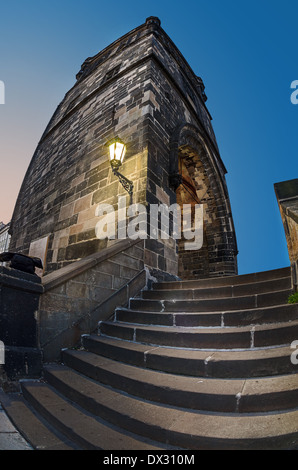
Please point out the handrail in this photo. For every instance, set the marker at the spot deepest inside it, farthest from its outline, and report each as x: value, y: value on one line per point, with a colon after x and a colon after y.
x: 55, y: 278
x: 87, y: 323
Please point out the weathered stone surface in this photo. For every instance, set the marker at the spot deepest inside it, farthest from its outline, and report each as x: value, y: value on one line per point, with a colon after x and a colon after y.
x: 83, y: 291
x: 19, y: 299
x: 287, y: 197
x: 141, y: 89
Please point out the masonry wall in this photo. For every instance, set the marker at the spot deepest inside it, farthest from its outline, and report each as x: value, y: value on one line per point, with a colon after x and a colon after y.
x: 19, y: 299
x: 177, y: 100
x: 80, y: 295
x: 141, y: 89
x: 70, y: 175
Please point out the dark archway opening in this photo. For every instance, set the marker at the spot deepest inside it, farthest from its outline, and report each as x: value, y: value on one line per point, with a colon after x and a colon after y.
x: 194, y: 189
x: 197, y: 175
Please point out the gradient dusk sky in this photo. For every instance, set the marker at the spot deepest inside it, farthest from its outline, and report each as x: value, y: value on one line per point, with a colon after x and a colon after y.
x: 246, y: 53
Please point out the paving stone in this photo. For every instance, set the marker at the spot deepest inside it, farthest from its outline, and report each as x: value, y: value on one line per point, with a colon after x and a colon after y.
x: 13, y: 441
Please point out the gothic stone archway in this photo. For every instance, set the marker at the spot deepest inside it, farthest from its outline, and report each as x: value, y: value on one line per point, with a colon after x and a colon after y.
x: 200, y: 179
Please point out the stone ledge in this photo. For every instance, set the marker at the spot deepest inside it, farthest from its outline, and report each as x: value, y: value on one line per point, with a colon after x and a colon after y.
x: 20, y: 283
x: 19, y: 275
x: 52, y: 280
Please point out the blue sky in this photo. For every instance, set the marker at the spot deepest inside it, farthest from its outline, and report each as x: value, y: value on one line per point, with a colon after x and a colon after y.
x: 246, y: 53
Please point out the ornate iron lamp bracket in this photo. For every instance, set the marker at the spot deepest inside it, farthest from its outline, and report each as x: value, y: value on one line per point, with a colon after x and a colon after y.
x: 126, y: 183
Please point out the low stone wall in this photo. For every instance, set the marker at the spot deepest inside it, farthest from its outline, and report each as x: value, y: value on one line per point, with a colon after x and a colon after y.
x: 19, y: 299
x: 79, y: 295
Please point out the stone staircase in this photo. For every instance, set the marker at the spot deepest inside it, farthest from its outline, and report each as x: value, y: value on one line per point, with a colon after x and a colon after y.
x: 189, y: 365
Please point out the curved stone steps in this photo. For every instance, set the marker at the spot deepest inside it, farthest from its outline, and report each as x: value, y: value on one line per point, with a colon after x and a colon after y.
x: 88, y: 431
x: 201, y: 292
x: 245, y: 337
x: 177, y: 427
x: 255, y: 316
x: 251, y: 278
x: 188, y: 365
x: 34, y: 429
x: 209, y: 394
x: 155, y: 301
x: 198, y: 363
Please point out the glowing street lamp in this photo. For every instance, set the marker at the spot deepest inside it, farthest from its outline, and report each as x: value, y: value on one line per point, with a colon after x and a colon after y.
x: 117, y: 150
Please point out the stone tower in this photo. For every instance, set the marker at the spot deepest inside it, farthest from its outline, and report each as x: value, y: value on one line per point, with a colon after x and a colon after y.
x: 141, y: 89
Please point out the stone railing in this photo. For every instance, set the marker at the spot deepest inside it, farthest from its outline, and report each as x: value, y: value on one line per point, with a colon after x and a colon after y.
x: 87, y: 291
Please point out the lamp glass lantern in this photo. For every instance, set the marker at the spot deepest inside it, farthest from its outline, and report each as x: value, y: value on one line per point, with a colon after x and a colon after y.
x: 117, y: 150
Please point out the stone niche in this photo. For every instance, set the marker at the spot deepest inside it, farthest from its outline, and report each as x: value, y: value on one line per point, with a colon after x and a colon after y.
x: 141, y: 89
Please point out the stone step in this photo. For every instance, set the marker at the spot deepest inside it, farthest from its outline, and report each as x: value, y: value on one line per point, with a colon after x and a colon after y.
x: 209, y: 305
x: 225, y: 281
x: 255, y: 316
x: 88, y: 431
x: 259, y: 336
x: 239, y: 290
x: 40, y: 434
x: 209, y: 394
x: 173, y: 426
x: 195, y: 362
x: 188, y: 365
